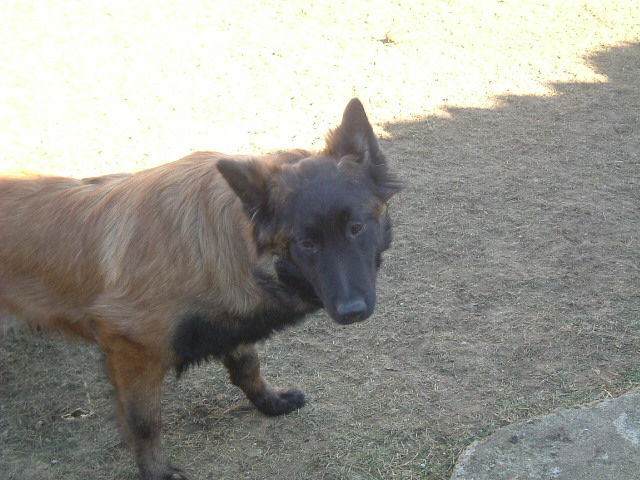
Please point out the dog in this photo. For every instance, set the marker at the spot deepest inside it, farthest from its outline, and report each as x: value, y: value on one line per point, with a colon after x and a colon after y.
x: 198, y: 259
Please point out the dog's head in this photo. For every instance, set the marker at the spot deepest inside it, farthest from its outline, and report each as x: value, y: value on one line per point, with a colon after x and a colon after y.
x: 326, y: 213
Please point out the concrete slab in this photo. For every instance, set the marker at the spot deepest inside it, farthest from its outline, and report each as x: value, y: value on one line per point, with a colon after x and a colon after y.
x: 599, y: 441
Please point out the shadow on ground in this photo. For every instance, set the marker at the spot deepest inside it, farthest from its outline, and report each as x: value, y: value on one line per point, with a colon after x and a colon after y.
x: 512, y: 289
x: 514, y: 274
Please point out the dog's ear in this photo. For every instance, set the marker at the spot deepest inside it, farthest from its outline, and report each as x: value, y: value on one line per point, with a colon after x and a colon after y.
x: 354, y: 140
x: 248, y: 179
x: 354, y: 136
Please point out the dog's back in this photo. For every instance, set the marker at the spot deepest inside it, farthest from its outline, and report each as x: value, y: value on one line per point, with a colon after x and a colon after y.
x: 71, y: 249
x: 38, y: 215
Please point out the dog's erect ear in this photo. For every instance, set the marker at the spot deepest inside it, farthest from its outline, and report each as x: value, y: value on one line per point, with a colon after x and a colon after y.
x: 355, y: 135
x: 354, y: 140
x: 248, y: 179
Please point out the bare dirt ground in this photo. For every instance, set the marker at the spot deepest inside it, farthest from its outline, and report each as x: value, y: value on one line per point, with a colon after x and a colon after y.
x: 513, y: 284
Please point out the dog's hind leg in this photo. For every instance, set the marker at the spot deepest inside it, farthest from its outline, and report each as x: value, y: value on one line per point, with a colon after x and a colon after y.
x: 243, y: 365
x: 136, y: 374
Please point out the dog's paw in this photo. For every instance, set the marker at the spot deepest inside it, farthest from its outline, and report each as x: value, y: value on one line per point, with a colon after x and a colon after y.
x: 279, y: 402
x: 175, y: 474
x: 162, y: 472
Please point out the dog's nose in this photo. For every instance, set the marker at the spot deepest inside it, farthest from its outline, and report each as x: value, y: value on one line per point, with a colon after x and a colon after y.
x: 352, y: 311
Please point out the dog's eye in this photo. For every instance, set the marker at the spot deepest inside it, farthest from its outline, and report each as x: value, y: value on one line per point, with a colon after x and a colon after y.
x: 356, y: 229
x: 308, y: 245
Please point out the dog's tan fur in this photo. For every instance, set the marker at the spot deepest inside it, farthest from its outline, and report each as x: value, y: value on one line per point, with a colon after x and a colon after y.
x: 126, y: 254
x: 118, y: 259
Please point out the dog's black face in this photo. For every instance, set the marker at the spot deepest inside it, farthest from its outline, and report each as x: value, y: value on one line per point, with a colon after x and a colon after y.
x: 338, y: 235
x: 325, y: 215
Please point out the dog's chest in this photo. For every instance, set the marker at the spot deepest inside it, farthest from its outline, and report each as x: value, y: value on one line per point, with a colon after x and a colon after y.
x: 199, y: 337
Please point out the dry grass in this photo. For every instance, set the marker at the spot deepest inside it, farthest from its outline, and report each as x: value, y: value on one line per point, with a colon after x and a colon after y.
x: 513, y: 284
x: 94, y: 89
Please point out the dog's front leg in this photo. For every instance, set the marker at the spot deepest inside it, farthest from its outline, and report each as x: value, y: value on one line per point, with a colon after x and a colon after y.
x: 136, y: 374
x: 243, y: 365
